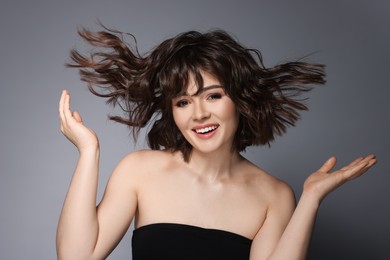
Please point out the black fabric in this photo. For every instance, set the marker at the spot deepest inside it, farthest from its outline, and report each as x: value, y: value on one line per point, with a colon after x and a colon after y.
x: 185, y: 242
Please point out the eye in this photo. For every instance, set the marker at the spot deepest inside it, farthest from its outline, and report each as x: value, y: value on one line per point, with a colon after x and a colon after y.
x: 214, y: 96
x: 182, y: 103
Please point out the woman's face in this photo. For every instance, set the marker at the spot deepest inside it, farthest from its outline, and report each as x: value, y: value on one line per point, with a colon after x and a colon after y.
x: 208, y: 119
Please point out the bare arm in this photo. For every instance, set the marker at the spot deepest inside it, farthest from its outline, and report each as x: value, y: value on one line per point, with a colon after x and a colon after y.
x: 294, y: 241
x: 85, y: 231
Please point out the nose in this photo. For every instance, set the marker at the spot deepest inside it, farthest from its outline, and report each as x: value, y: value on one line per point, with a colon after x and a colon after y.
x: 200, y: 111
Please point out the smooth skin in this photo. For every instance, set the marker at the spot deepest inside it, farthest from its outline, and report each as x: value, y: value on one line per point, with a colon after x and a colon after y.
x: 216, y: 189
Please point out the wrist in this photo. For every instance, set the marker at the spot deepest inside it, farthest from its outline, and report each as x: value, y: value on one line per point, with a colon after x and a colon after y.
x: 90, y: 151
x: 310, y: 199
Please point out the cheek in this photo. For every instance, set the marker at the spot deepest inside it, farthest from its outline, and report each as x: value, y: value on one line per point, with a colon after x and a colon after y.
x: 175, y: 117
x: 178, y: 118
x: 230, y: 111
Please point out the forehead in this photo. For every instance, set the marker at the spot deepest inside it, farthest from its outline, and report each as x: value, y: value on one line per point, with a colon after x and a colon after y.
x: 195, y: 87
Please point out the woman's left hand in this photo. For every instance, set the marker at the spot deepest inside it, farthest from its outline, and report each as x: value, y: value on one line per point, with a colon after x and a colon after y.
x: 322, y: 182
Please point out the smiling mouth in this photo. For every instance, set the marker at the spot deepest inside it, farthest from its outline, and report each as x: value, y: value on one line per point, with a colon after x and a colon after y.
x: 206, y: 130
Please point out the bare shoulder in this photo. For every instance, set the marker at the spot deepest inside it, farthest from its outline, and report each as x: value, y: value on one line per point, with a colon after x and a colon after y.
x: 143, y: 161
x: 143, y: 156
x: 135, y: 168
x: 268, y: 186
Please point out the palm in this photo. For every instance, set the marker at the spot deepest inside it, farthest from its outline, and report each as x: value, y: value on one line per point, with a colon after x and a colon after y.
x: 322, y: 182
x: 72, y: 126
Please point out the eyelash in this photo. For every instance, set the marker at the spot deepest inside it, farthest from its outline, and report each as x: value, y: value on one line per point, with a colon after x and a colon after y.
x: 213, y: 96
x: 181, y: 103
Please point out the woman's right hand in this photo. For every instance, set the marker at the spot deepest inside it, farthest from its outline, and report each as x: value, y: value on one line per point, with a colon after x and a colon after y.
x: 73, y: 128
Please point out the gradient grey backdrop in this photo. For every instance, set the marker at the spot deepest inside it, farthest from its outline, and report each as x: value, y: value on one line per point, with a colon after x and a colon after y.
x: 348, y: 117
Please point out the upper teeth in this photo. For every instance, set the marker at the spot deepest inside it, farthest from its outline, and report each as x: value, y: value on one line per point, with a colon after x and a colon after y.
x: 205, y: 130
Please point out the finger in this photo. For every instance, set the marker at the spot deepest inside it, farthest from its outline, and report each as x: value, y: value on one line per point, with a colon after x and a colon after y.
x: 371, y: 156
x: 61, y: 105
x: 356, y: 171
x: 360, y: 168
x: 328, y: 165
x: 77, y: 117
x: 358, y: 160
x: 61, y: 110
x: 371, y: 160
x: 354, y: 162
x: 67, y: 112
x: 368, y: 160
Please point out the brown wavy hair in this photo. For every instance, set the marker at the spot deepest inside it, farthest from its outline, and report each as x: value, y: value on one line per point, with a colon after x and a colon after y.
x: 144, y: 85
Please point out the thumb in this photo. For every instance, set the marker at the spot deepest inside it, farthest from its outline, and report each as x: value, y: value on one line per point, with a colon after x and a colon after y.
x: 328, y: 165
x: 77, y: 116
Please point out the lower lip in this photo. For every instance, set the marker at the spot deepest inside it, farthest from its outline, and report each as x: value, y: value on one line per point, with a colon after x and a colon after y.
x: 208, y: 135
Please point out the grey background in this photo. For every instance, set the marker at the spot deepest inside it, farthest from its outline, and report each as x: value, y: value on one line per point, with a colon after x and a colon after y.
x: 349, y: 116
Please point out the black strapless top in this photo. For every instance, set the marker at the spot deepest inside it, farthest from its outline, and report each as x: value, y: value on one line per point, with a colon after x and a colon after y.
x: 185, y: 242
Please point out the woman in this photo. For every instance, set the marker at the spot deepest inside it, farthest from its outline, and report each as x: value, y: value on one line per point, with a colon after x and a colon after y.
x: 193, y: 196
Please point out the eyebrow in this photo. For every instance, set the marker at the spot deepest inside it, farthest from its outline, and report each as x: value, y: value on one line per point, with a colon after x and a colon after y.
x: 204, y: 89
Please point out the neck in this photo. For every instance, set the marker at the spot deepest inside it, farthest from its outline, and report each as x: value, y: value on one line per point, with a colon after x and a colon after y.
x: 214, y: 166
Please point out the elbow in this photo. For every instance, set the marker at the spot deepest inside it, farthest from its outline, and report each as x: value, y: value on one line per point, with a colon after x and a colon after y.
x: 72, y: 255
x: 70, y: 251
